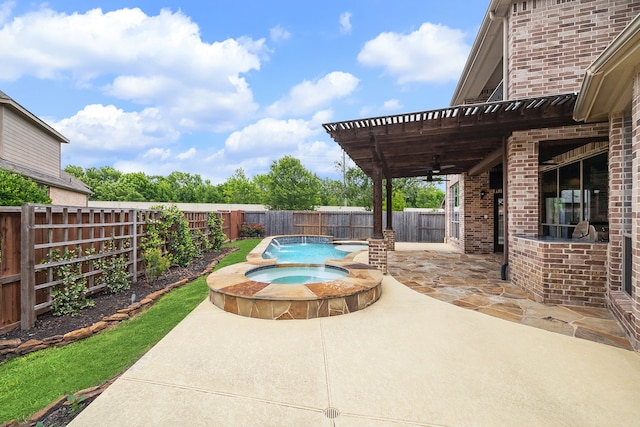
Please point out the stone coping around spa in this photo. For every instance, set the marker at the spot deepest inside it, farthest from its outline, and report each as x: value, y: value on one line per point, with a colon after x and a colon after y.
x: 255, y: 256
x: 231, y: 280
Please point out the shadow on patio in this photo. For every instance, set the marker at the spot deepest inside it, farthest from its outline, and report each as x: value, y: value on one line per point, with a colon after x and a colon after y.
x: 473, y: 282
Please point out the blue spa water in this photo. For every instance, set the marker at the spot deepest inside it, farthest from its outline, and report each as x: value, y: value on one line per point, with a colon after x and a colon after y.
x: 296, y: 275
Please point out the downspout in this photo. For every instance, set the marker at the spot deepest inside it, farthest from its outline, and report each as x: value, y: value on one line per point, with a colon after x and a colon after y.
x: 505, y: 162
x: 505, y: 53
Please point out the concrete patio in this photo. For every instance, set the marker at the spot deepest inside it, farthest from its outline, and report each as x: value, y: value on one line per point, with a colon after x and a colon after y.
x: 408, y: 359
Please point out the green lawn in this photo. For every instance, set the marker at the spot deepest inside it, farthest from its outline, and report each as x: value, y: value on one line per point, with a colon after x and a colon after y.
x: 31, y: 382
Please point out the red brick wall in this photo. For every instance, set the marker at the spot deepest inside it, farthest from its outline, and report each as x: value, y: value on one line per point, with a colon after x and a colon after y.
x: 619, y: 194
x: 478, y: 215
x: 560, y: 272
x: 635, y: 203
x: 551, y: 44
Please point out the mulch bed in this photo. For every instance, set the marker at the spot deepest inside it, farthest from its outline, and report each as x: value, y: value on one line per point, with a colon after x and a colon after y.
x: 60, y: 413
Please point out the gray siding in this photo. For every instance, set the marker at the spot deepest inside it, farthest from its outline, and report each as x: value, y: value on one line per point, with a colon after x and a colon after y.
x: 25, y: 144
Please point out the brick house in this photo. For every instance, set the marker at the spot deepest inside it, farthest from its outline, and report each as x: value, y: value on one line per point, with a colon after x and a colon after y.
x: 32, y: 148
x: 543, y: 144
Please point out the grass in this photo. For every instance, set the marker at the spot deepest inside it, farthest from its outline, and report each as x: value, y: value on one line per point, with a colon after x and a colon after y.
x: 31, y: 382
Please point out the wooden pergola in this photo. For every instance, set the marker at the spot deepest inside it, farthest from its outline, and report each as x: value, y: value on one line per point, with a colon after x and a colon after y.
x: 465, y: 138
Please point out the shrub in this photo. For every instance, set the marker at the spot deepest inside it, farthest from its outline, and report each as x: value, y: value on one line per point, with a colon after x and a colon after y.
x: 156, y: 260
x: 216, y: 235
x: 16, y: 190
x: 251, y: 230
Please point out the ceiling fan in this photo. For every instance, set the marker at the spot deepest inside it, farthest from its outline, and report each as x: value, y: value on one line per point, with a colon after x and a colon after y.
x: 437, y: 168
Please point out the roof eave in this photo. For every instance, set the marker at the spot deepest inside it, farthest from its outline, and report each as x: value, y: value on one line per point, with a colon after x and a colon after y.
x: 488, y: 34
x: 11, y: 103
x: 606, y: 86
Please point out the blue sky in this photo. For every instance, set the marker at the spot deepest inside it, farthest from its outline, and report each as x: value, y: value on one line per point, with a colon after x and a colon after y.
x: 210, y: 87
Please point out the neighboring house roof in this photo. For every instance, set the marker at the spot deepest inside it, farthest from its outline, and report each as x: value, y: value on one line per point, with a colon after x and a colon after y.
x: 26, y: 114
x: 64, y: 181
x: 485, y: 55
x: 607, y: 84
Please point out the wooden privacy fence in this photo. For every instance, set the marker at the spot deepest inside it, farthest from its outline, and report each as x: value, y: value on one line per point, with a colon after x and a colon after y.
x: 410, y: 226
x: 30, y: 237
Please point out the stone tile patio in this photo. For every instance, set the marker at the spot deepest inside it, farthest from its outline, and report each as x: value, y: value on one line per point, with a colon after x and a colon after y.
x: 473, y: 282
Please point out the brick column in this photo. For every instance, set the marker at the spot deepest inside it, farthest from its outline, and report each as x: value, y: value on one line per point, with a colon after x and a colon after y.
x: 390, y: 238
x: 619, y: 195
x: 378, y: 254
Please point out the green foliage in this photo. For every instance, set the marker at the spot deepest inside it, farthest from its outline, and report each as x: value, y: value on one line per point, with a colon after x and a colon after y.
x: 288, y: 185
x: 359, y: 188
x: 75, y: 402
x: 239, y: 189
x: 156, y: 260
x: 177, y: 236
x: 251, y: 230
x: 30, y: 382
x: 16, y: 190
x: 291, y: 186
x: 216, y: 235
x: 72, y: 295
x: 430, y: 196
x: 115, y: 274
x: 168, y: 241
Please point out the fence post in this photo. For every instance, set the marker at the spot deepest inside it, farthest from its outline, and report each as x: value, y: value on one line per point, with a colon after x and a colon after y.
x: 27, y: 273
x: 134, y: 244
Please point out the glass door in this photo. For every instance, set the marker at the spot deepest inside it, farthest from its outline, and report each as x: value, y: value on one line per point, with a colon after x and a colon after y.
x: 498, y: 223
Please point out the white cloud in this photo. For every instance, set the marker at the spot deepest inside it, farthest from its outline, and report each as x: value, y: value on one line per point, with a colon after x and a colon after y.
x: 345, y: 23
x: 158, y: 61
x: 189, y: 154
x: 387, y: 107
x: 278, y: 34
x: 432, y: 54
x: 308, y: 96
x: 100, y: 128
x: 158, y: 153
x: 268, y: 136
x: 5, y: 10
x: 392, y: 105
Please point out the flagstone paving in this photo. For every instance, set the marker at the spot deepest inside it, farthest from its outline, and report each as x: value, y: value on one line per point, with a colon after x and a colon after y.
x: 473, y: 282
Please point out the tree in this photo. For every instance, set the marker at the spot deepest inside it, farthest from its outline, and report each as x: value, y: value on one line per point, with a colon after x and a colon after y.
x: 332, y: 193
x: 239, y: 189
x: 429, y: 196
x: 16, y: 190
x: 359, y: 188
x: 291, y: 186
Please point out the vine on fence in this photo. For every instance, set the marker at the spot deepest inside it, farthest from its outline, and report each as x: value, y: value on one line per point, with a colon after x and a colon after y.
x: 115, y: 275
x: 72, y: 295
x: 216, y: 235
x: 168, y: 241
x: 156, y: 260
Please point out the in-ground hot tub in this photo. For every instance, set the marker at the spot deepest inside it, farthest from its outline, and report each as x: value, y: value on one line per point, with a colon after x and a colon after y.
x: 293, y: 290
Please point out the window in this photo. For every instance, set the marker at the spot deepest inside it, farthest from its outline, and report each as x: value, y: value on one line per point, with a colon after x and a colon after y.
x: 455, y: 211
x: 572, y: 193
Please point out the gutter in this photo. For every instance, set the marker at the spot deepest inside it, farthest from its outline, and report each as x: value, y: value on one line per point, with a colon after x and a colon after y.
x: 624, y: 48
x: 505, y: 52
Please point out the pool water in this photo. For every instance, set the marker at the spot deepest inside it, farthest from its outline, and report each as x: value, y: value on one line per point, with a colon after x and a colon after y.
x: 308, y: 253
x: 296, y: 275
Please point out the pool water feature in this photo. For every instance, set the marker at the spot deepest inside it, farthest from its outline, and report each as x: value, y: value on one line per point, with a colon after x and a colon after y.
x: 267, y: 288
x: 308, y: 249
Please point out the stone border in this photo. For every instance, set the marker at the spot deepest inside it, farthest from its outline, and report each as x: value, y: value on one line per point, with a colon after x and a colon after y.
x: 231, y: 291
x: 15, y: 347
